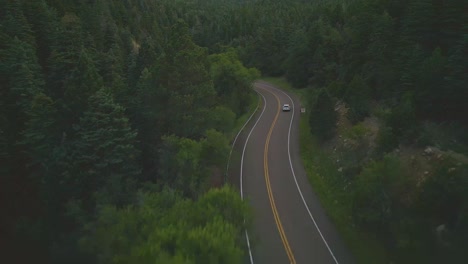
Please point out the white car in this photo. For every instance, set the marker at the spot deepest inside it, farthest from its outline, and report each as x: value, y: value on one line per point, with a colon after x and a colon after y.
x: 286, y: 108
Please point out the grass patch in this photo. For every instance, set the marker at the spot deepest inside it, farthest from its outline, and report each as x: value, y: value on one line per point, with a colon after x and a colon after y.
x: 323, y: 176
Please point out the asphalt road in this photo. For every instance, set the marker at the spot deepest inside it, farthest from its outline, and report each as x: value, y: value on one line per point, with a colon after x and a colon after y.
x: 290, y: 226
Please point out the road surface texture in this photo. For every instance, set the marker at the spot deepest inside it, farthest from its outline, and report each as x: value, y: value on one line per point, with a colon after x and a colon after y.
x: 290, y: 226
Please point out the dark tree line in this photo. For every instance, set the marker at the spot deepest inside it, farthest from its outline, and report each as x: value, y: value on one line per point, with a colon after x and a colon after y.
x: 101, y: 102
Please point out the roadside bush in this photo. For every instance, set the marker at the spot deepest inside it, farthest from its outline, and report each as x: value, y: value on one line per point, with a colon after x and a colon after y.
x: 444, y: 203
x: 356, y: 132
x: 377, y: 194
x: 444, y: 196
x: 353, y: 152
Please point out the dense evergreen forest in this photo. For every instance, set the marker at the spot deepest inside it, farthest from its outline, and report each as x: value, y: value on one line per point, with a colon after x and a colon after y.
x: 117, y: 115
x: 114, y: 124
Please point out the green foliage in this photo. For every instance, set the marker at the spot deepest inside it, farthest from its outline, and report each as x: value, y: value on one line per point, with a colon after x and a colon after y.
x: 172, y: 70
x: 166, y: 227
x: 40, y: 134
x: 78, y: 80
x: 323, y: 117
x: 14, y: 22
x: 232, y: 81
x: 105, y: 152
x: 444, y: 194
x: 222, y: 118
x: 184, y: 74
x: 180, y: 164
x: 402, y: 119
x: 353, y: 152
x: 376, y: 193
x: 357, y: 132
x: 215, y: 149
x: 443, y: 201
x: 298, y: 61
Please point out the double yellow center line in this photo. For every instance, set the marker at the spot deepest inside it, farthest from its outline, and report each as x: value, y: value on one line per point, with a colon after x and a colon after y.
x: 270, y: 193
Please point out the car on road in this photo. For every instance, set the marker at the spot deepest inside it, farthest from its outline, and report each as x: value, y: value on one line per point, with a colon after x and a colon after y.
x: 286, y: 108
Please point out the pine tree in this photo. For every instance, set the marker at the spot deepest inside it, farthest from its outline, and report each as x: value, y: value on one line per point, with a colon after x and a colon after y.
x: 23, y: 72
x: 112, y: 72
x: 73, y: 74
x: 21, y: 81
x: 41, y: 136
x: 105, y: 157
x: 419, y: 22
x: 45, y: 24
x: 15, y: 24
x: 184, y: 73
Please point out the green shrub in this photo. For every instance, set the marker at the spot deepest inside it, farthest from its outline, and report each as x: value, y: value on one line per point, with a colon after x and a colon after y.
x: 356, y: 132
x: 444, y: 201
x: 376, y: 193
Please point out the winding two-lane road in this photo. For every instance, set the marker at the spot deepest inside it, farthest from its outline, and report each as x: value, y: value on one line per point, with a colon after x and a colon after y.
x: 290, y: 226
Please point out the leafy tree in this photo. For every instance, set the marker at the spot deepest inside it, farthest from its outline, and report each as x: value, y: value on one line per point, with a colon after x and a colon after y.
x: 376, y: 194
x: 166, y: 227
x: 232, y: 81
x: 181, y: 165
x: 215, y: 149
x: 443, y: 201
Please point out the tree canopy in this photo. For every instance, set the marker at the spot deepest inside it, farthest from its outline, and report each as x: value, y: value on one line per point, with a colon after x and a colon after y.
x: 116, y: 115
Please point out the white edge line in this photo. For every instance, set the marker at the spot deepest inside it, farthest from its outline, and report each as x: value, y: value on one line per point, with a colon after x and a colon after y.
x: 238, y: 133
x: 294, y: 175
x: 245, y: 146
x: 242, y: 166
x: 242, y: 161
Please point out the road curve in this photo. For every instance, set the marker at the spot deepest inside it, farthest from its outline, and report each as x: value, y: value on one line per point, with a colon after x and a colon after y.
x: 290, y: 226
